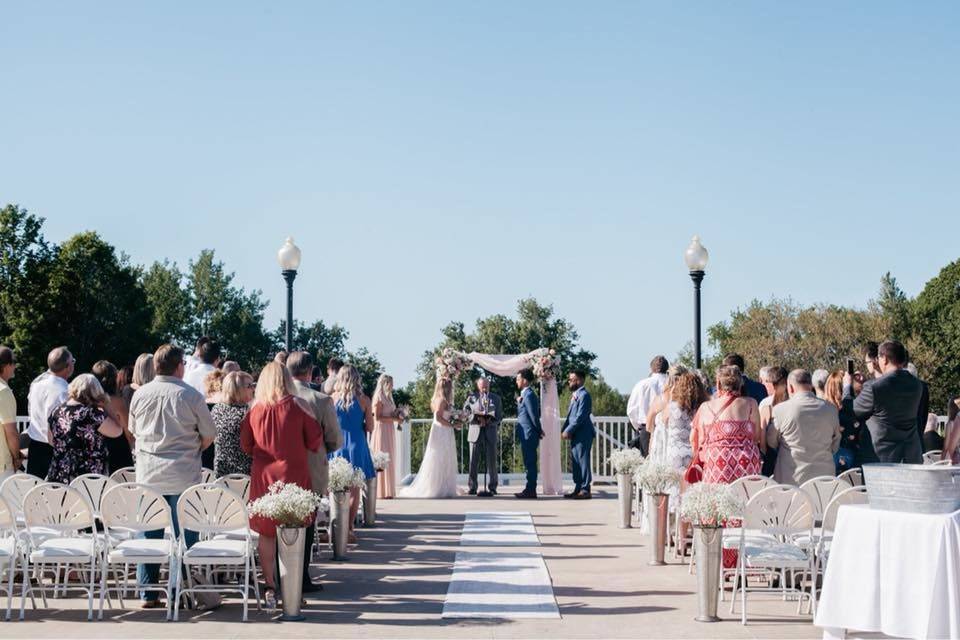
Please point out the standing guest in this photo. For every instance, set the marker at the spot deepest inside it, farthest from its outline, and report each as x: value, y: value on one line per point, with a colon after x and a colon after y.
x: 209, y: 357
x: 281, y: 358
x: 806, y: 432
x: 726, y: 431
x: 316, y: 378
x: 952, y: 432
x: 529, y: 431
x: 751, y: 388
x: 924, y: 410
x: 172, y: 426
x: 333, y: 368
x: 579, y: 430
x: 124, y: 378
x: 118, y: 447
x: 774, y: 380
x: 819, y: 378
x: 356, y: 421
x: 852, y: 428
x: 230, y: 366
x: 194, y: 360
x: 47, y: 392
x: 77, y: 431
x: 277, y: 433
x: 655, y: 425
x: 641, y: 401
x: 932, y: 440
x: 228, y: 414
x: 143, y: 372
x: 676, y: 419
x: 890, y: 404
x: 10, y: 456
x: 870, y: 352
x: 384, y: 436
x: 212, y: 386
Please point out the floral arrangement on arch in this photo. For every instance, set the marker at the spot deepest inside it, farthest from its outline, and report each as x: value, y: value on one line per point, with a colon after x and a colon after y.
x: 709, y: 505
x: 450, y: 363
x: 545, y: 363
x: 287, y: 504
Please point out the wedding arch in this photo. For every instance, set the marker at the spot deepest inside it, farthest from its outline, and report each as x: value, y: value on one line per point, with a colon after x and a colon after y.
x: 546, y: 367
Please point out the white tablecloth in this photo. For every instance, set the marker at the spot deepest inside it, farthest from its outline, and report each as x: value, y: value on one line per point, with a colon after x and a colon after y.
x: 892, y: 572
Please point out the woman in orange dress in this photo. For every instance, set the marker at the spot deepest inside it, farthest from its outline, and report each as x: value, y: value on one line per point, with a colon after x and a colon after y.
x: 277, y: 433
x: 384, y: 436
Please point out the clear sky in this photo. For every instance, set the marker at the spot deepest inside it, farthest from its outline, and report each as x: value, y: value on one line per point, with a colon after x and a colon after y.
x: 452, y: 157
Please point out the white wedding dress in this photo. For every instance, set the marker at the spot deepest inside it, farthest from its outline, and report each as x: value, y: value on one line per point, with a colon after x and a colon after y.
x: 437, y: 476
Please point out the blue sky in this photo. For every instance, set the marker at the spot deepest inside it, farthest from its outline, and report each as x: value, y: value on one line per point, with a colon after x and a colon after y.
x: 563, y: 150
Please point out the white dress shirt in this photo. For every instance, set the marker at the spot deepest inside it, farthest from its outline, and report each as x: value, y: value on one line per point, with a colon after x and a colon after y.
x: 642, y: 397
x: 197, y: 376
x: 47, y: 392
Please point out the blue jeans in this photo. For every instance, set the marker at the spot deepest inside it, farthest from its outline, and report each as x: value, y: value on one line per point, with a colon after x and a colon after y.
x: 150, y: 573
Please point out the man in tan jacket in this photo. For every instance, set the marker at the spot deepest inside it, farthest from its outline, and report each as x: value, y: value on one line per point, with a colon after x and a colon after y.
x: 807, y: 432
x: 300, y: 365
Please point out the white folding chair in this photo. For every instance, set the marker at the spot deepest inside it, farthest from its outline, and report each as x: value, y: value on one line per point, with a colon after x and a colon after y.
x: 931, y: 457
x: 124, y: 475
x: 9, y: 551
x: 129, y: 510
x: 783, y: 512
x: 92, y: 487
x: 821, y: 490
x: 742, y: 489
x: 853, y: 495
x: 240, y: 485
x: 853, y: 477
x: 57, y: 507
x: 13, y: 489
x: 211, y: 510
x: 207, y: 475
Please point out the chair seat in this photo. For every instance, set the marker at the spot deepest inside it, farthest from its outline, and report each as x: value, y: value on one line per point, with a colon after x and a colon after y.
x: 140, y: 549
x: 64, y: 550
x: 776, y: 555
x: 754, y: 537
x: 805, y: 541
x: 238, y: 534
x: 217, y: 551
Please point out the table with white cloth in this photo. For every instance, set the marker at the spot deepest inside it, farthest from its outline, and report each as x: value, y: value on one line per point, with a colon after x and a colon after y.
x: 892, y: 572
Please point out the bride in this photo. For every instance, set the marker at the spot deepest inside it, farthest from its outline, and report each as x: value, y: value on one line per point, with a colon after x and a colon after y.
x: 437, y: 477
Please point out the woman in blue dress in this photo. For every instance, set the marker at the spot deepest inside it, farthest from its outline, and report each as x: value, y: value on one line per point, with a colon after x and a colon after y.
x: 356, y: 421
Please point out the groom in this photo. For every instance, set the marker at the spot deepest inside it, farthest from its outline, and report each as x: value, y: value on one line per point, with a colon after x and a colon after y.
x: 579, y: 430
x: 486, y: 412
x: 529, y: 431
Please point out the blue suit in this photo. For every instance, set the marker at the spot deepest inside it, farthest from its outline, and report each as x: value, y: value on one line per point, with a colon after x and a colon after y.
x: 579, y: 426
x: 529, y: 432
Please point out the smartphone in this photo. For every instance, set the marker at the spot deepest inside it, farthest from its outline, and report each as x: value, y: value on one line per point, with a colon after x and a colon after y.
x: 850, y: 366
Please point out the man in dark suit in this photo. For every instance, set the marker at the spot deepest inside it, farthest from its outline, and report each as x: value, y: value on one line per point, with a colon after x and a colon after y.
x: 486, y: 412
x: 890, y: 405
x: 751, y: 388
x: 529, y: 431
x: 579, y: 430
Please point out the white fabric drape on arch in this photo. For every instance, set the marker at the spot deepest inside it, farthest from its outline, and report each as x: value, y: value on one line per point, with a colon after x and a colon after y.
x: 551, y: 480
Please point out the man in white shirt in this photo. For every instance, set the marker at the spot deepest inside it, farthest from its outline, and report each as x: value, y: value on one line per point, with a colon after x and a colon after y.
x: 641, y: 399
x: 208, y: 355
x: 191, y: 361
x: 47, y: 392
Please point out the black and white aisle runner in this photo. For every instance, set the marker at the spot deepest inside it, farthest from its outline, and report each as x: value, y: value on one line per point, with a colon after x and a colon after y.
x: 498, y: 584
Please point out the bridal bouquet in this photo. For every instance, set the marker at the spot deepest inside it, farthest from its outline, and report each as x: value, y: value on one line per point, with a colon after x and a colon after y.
x: 380, y: 460
x: 403, y: 414
x: 450, y: 363
x: 626, y: 461
x: 287, y: 504
x: 657, y: 478
x: 709, y: 505
x: 344, y: 476
x: 460, y: 418
x: 545, y: 363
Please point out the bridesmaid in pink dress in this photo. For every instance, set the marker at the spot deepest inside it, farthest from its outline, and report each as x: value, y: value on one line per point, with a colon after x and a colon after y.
x: 384, y: 436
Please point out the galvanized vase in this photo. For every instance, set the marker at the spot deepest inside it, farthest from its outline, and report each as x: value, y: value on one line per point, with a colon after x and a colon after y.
x: 708, y: 545
x: 290, y: 547
x: 370, y: 502
x: 659, y: 513
x: 340, y: 523
x: 625, y: 495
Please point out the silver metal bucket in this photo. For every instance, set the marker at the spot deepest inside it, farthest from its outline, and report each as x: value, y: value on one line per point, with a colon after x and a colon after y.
x: 707, y: 542
x: 625, y: 495
x: 659, y: 513
x: 370, y: 502
x: 913, y: 487
x: 290, y: 549
x: 340, y: 523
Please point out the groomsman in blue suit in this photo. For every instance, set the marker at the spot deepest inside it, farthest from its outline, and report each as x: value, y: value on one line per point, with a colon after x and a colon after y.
x: 578, y: 429
x: 529, y: 431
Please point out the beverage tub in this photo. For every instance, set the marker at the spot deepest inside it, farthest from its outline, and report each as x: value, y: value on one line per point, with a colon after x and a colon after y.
x: 915, y: 488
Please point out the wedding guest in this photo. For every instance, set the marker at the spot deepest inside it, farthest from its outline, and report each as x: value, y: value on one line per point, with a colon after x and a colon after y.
x: 228, y: 414
x: 194, y: 360
x: 641, y: 400
x: 143, y: 372
x: 277, y: 433
x: 726, y: 431
x: 172, y: 426
x: 657, y: 447
x: 47, y: 392
x: 952, y: 432
x: 77, y: 430
x: 806, y: 432
x: 676, y: 419
x: 870, y: 352
x: 333, y: 368
x: 316, y: 378
x: 230, y: 366
x: 208, y: 355
x: 852, y: 429
x: 356, y: 421
x: 119, y: 448
x: 529, y: 431
x: 890, y: 404
x: 124, y: 378
x: 819, y: 378
x: 932, y: 440
x: 212, y: 387
x: 774, y: 380
x: 579, y: 430
x: 924, y: 410
x: 751, y: 388
x: 10, y: 456
x: 281, y: 358
x: 384, y: 434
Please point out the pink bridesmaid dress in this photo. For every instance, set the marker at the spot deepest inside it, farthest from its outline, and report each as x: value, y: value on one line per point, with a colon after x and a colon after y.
x: 384, y: 439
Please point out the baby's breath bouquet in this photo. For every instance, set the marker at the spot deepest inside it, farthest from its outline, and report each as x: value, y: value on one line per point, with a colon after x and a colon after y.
x: 709, y: 505
x: 344, y: 476
x: 626, y: 461
x: 380, y: 460
x: 287, y: 504
x: 656, y: 478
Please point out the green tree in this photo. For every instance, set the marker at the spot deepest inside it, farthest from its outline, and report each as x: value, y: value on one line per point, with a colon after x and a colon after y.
x: 607, y: 401
x: 171, y: 321
x: 893, y: 306
x: 935, y: 343
x: 321, y: 341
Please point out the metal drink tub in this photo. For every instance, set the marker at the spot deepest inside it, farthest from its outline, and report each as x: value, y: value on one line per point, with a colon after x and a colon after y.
x: 914, y: 488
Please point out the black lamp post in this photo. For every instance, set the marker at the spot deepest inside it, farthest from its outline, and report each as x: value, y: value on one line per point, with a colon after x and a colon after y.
x: 289, y: 259
x: 696, y: 257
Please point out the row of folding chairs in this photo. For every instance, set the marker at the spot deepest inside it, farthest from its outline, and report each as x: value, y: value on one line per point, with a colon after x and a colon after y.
x: 96, y: 528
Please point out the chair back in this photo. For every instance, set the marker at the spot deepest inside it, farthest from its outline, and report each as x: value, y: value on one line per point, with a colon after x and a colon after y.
x: 853, y: 477
x: 853, y: 495
x: 56, y: 506
x: 942, y: 463
x: 92, y: 486
x: 746, y: 487
x: 207, y: 475
x: 821, y: 490
x: 127, y: 474
x: 931, y: 457
x: 8, y: 520
x: 238, y: 483
x: 210, y: 509
x: 14, y: 488
x: 780, y: 510
x: 135, y: 507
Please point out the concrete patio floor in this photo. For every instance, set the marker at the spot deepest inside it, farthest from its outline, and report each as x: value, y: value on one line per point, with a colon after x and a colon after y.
x: 395, y: 581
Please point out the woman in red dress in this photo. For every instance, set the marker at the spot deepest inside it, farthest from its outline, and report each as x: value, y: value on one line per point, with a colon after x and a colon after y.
x: 277, y: 433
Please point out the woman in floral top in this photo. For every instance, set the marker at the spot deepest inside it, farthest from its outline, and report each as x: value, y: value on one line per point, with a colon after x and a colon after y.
x: 77, y: 431
x: 236, y: 393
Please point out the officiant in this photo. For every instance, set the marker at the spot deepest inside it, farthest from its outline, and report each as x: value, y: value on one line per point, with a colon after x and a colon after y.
x: 486, y: 413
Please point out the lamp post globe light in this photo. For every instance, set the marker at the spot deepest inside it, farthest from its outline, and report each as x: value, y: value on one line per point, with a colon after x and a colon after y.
x: 696, y: 257
x: 289, y: 259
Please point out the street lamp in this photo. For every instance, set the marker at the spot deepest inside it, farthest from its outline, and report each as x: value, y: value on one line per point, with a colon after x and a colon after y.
x: 696, y: 257
x: 289, y: 259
